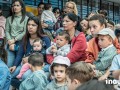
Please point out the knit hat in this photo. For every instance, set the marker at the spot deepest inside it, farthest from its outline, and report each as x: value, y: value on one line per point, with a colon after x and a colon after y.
x: 107, y: 31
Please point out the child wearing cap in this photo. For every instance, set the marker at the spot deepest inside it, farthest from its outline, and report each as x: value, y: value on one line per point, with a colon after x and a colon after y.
x: 61, y: 47
x: 38, y: 79
x: 78, y: 73
x: 58, y: 70
x: 107, y: 53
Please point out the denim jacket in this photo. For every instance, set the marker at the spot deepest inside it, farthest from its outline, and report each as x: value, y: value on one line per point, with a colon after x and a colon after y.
x: 5, y: 77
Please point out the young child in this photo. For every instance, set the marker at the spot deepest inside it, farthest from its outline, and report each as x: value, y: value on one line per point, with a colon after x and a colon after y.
x: 105, y: 41
x: 61, y: 47
x: 38, y: 79
x: 37, y: 47
x: 78, y: 73
x: 48, y: 18
x: 58, y: 70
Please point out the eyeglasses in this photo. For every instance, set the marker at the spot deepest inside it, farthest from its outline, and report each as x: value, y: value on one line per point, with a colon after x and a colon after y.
x: 69, y: 7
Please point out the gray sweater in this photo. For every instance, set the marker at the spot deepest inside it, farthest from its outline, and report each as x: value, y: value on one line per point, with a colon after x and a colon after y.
x: 54, y: 86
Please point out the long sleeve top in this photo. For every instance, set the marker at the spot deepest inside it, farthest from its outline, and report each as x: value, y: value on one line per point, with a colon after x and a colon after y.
x: 62, y: 51
x: 36, y: 81
x: 5, y: 76
x: 21, y: 51
x: 105, y: 58
x: 48, y: 15
x: 2, y: 26
x: 78, y: 48
x: 15, y: 29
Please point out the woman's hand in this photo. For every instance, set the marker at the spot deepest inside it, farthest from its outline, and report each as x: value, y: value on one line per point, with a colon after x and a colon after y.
x: 11, y: 47
x: 25, y: 60
x: 12, y: 41
x: 12, y: 69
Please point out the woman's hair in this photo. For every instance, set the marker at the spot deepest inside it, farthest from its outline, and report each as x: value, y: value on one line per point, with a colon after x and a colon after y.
x: 65, y: 34
x: 81, y: 71
x: 56, y: 65
x: 74, y: 18
x: 47, y: 6
x: 75, y: 11
x: 36, y: 59
x: 111, y: 22
x: 23, y: 10
x: 3, y: 53
x: 100, y: 18
x: 55, y: 9
x: 39, y: 31
x: 95, y: 85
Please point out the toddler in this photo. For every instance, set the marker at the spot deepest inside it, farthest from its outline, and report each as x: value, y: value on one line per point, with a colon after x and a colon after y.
x: 37, y: 47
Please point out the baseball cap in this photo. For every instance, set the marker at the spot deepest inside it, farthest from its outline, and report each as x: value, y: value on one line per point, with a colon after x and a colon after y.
x: 107, y: 31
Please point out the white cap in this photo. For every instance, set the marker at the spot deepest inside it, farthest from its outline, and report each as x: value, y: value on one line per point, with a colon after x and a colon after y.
x: 107, y: 31
x: 61, y: 60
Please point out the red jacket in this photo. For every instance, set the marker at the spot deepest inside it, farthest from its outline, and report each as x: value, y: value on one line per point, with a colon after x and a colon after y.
x: 78, y: 48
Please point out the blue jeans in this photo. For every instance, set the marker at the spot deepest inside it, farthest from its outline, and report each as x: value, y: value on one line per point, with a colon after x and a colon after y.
x: 11, y: 55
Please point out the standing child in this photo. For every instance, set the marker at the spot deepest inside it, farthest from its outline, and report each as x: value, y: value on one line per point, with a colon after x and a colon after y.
x: 48, y: 18
x: 58, y: 70
x: 37, y: 80
x: 37, y: 47
x: 61, y: 47
x: 78, y: 73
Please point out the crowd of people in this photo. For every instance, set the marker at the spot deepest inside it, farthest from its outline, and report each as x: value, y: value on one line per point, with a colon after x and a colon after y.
x: 57, y: 50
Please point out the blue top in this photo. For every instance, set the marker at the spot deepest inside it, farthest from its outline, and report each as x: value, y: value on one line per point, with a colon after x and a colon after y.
x: 21, y: 52
x: 36, y: 81
x: 5, y: 77
x: 115, y: 63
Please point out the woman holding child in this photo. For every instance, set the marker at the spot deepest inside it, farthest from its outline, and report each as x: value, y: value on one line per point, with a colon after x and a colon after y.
x: 77, y: 39
x: 34, y: 31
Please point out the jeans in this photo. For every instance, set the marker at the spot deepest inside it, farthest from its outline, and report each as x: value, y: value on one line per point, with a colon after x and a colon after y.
x: 11, y: 55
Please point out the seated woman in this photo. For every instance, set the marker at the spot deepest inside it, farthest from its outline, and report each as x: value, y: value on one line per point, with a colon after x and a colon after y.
x: 34, y: 31
x: 77, y: 39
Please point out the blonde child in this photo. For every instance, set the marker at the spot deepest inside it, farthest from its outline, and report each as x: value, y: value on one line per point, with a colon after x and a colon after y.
x: 58, y: 70
x: 37, y: 47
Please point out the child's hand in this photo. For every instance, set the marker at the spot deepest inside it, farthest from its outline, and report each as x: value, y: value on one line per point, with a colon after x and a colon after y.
x: 25, y: 60
x: 54, y: 49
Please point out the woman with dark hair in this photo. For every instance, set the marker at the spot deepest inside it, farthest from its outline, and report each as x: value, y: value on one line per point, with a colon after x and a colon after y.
x: 57, y: 14
x: 77, y: 39
x: 34, y: 31
x: 15, y: 29
x: 5, y: 77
